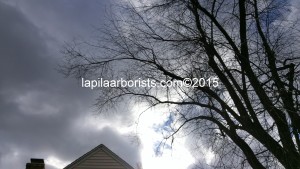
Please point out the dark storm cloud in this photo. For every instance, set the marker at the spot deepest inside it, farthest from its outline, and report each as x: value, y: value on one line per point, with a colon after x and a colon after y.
x: 39, y: 110
x: 65, y: 18
x: 21, y: 50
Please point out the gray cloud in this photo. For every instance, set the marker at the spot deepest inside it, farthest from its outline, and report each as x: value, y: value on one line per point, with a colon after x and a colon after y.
x: 41, y: 112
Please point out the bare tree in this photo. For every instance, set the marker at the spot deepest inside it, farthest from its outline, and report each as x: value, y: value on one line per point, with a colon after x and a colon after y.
x: 245, y: 53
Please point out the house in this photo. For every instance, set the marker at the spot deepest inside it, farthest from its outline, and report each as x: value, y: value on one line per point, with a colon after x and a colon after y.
x: 99, y: 158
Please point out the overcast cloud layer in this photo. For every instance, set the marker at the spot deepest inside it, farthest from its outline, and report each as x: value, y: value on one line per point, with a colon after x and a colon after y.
x: 42, y: 114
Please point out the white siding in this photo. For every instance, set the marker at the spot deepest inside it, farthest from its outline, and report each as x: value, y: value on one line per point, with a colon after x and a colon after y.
x: 99, y: 160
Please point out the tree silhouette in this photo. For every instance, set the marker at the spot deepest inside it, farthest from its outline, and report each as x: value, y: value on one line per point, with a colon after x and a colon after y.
x: 250, y: 116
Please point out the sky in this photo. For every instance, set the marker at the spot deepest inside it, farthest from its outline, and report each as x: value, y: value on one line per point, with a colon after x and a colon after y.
x: 45, y: 115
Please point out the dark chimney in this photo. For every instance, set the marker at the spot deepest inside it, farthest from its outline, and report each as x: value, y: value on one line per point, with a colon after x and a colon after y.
x: 36, y: 164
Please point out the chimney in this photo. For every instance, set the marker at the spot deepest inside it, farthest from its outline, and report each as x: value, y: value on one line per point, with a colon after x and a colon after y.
x: 36, y: 164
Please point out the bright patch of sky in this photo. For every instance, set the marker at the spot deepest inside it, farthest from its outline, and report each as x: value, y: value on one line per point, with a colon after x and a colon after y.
x: 175, y: 156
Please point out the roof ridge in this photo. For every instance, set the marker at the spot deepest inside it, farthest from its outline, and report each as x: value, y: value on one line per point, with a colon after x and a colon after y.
x: 107, y: 150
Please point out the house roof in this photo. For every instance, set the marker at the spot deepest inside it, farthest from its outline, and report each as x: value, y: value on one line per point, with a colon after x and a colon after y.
x: 96, y: 149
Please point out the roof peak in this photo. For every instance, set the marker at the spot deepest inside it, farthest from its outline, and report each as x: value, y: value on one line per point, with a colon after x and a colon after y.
x: 94, y: 150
